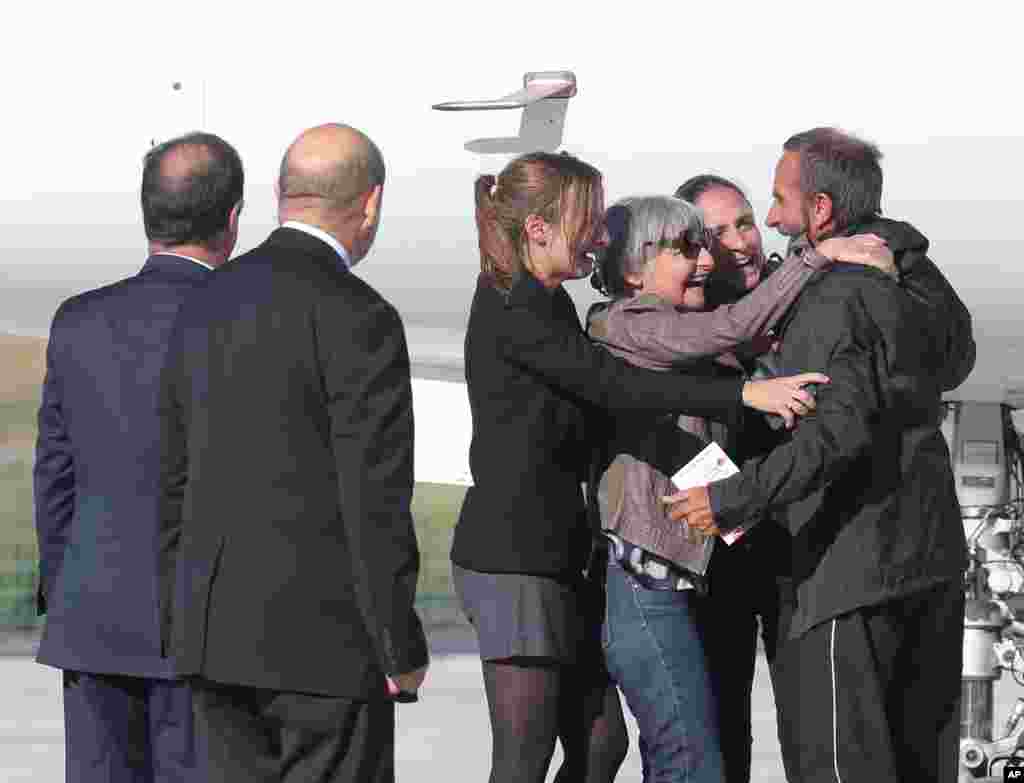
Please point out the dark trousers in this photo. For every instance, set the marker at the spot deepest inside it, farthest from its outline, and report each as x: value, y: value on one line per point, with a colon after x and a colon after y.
x: 871, y: 695
x: 743, y: 590
x: 250, y: 735
x: 127, y: 729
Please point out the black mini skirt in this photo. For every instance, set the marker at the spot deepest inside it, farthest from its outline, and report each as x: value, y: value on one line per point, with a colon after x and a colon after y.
x: 527, y: 616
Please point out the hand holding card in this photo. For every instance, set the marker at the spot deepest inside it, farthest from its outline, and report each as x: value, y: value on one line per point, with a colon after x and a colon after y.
x: 712, y: 464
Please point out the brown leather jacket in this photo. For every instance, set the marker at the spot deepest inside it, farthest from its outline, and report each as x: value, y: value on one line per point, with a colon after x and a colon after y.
x: 649, y: 332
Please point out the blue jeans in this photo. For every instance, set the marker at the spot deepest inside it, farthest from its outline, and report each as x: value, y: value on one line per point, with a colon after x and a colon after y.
x: 654, y: 654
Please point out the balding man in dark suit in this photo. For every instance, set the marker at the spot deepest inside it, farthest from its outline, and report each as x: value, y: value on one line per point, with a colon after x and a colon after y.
x: 97, y: 476
x: 288, y: 439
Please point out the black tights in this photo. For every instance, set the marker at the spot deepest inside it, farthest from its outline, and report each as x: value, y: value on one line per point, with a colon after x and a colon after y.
x: 532, y: 702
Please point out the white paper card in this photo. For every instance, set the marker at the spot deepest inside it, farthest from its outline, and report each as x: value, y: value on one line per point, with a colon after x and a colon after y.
x: 712, y: 464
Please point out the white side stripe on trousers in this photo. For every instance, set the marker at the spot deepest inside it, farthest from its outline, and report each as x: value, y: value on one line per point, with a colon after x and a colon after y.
x: 835, y: 709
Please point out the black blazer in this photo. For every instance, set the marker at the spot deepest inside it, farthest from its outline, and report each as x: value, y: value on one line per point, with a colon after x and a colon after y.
x: 97, y: 472
x: 289, y: 559
x: 533, y: 376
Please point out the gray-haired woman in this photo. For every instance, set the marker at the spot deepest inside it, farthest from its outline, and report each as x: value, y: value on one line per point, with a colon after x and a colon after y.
x: 654, y: 270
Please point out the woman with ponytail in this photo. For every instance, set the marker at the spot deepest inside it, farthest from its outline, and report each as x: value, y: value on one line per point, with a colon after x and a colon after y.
x: 522, y: 541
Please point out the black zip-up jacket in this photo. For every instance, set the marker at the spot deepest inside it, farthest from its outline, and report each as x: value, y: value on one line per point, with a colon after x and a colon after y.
x: 864, y: 485
x: 533, y: 376
x: 941, y: 309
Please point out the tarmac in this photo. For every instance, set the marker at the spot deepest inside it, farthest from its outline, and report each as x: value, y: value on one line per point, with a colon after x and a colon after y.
x: 444, y: 737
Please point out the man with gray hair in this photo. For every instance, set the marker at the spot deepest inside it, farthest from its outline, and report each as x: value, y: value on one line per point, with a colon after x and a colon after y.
x: 867, y: 671
x: 290, y: 559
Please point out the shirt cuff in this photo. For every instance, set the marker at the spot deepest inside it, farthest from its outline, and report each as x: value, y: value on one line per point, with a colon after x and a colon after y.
x: 715, y: 501
x: 814, y: 259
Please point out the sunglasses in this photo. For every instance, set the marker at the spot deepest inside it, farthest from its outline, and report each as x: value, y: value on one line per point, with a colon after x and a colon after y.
x: 689, y: 243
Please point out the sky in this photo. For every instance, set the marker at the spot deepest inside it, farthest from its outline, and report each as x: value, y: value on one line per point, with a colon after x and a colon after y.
x: 666, y: 90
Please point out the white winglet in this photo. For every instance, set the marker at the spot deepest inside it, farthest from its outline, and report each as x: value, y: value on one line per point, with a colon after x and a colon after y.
x: 544, y: 99
x: 537, y: 85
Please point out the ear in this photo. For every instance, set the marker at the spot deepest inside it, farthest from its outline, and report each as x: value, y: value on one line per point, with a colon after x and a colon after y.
x: 233, y: 217
x: 537, y: 229
x: 821, y: 210
x: 371, y: 208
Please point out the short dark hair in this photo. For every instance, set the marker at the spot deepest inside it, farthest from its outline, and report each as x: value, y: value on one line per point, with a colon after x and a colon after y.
x: 193, y: 205
x: 844, y: 168
x: 695, y: 187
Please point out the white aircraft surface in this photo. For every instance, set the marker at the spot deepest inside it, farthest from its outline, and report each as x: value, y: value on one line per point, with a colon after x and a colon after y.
x: 649, y: 93
x: 659, y: 92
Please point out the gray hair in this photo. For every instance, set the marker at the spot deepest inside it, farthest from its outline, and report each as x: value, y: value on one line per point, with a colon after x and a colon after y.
x: 635, y: 225
x: 844, y: 168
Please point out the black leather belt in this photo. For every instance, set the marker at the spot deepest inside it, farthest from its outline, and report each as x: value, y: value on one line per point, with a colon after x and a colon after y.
x: 649, y: 570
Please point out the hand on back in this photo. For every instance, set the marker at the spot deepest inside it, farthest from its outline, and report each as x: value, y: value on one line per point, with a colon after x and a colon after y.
x: 865, y: 249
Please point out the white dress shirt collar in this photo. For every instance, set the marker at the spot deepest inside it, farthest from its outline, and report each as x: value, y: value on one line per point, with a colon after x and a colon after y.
x: 322, y: 236
x: 179, y: 255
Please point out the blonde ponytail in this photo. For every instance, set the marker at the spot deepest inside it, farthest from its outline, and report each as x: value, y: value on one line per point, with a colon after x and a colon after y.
x: 496, y: 253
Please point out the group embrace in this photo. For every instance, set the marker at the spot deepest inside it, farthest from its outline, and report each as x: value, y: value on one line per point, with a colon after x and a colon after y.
x: 224, y: 476
x: 850, y: 553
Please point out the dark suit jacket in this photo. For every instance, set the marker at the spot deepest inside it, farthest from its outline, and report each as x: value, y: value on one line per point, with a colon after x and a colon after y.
x: 289, y: 559
x: 97, y: 472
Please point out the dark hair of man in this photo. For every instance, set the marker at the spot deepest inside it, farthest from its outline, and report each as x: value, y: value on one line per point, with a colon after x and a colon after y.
x: 190, y: 204
x: 842, y: 167
x: 695, y: 187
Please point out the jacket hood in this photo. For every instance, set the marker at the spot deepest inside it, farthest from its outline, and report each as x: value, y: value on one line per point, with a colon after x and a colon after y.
x: 899, y: 235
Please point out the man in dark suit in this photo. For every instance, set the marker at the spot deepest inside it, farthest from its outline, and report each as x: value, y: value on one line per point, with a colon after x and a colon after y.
x: 97, y: 477
x: 289, y: 556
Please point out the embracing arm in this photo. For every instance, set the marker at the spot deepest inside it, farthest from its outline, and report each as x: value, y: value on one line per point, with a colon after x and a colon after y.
x: 691, y: 335
x: 562, y: 354
x: 53, y: 476
x: 366, y: 372
x: 822, y: 446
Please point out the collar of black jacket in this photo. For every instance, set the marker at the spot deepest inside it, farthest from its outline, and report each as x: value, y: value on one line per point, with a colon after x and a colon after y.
x: 301, y: 242
x: 898, y: 234
x: 528, y: 292
x: 906, y: 242
x: 176, y: 265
